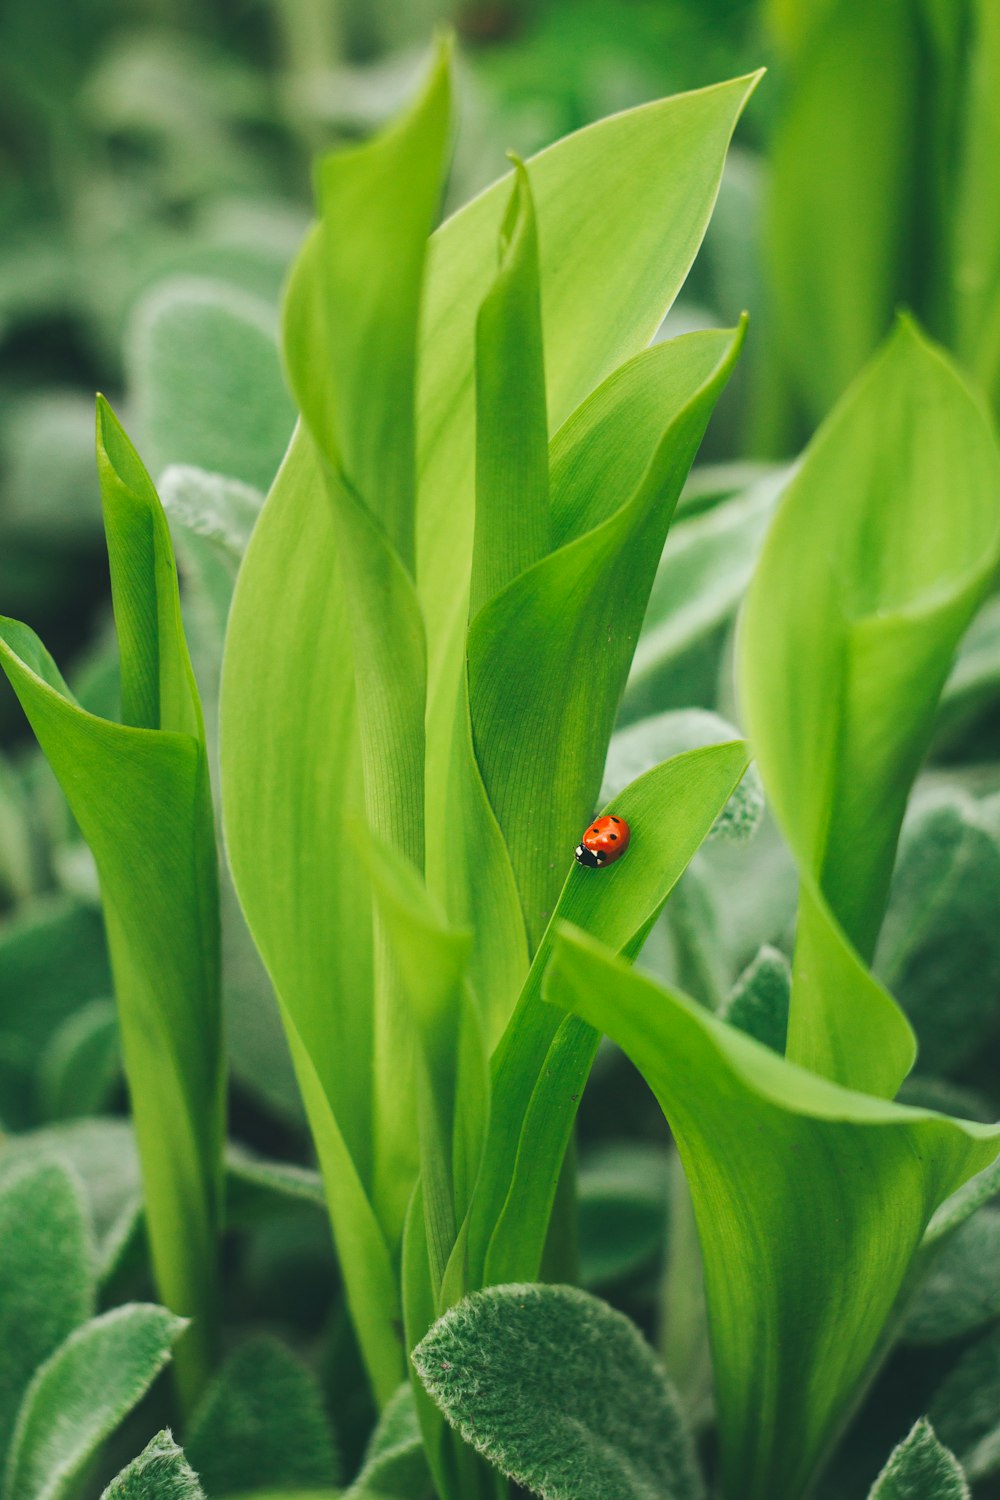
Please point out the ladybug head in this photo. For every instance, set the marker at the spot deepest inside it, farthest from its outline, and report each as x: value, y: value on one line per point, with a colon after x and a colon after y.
x: 588, y: 857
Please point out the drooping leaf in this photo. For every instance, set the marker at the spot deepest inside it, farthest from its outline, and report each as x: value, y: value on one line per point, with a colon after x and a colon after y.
x: 204, y: 368
x: 921, y: 1468
x: 261, y: 1425
x: 789, y: 1175
x: 848, y: 633
x: 561, y: 1393
x: 140, y: 793
x: 81, y: 1393
x: 47, y: 1284
x: 161, y: 1472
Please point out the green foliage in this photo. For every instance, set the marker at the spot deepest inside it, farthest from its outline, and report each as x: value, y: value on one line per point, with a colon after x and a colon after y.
x: 962, y: 1291
x: 921, y: 1469
x: 81, y: 1064
x: 864, y: 586
x: 623, y: 1193
x: 161, y: 1472
x: 561, y: 1393
x: 139, y: 791
x: 808, y: 1275
x: 81, y: 1393
x: 261, y: 1425
x: 394, y: 1463
x: 965, y: 1407
x: 46, y: 1276
x: 758, y: 1002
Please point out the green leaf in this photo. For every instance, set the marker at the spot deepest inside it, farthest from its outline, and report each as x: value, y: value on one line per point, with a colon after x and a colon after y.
x: 584, y: 603
x: 140, y: 793
x: 204, y: 369
x: 962, y: 1291
x: 46, y: 1276
x: 394, y: 1463
x: 161, y: 1472
x: 623, y: 1194
x: 789, y: 1175
x: 976, y: 226
x: 261, y: 1425
x: 81, y: 1065
x: 758, y: 1002
x: 939, y: 951
x: 543, y: 1060
x: 840, y: 200
x: 921, y: 1469
x: 81, y: 1393
x: 101, y: 1153
x: 561, y: 1393
x: 512, y: 448
x: 965, y: 1409
x: 863, y: 589
x: 974, y: 683
x: 55, y: 957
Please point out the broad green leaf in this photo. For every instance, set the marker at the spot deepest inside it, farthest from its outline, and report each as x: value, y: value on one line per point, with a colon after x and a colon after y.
x: 965, y: 1409
x: 394, y: 1464
x: 543, y: 1060
x: 81, y: 1393
x: 261, y: 1425
x: 962, y: 1292
x: 921, y: 1469
x: 206, y: 378
x: 82, y: 1063
x: 47, y: 1284
x: 863, y: 589
x: 512, y: 446
x: 561, y: 1393
x: 758, y: 1002
x: 161, y: 1472
x: 939, y: 950
x: 139, y: 791
x: 789, y: 1175
x: 840, y: 197
x: 576, y: 615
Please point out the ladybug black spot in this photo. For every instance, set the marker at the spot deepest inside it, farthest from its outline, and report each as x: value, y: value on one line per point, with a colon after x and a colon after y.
x: 612, y: 835
x: 615, y: 820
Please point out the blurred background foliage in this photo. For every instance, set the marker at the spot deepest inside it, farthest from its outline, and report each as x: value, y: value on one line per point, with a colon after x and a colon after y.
x: 154, y: 185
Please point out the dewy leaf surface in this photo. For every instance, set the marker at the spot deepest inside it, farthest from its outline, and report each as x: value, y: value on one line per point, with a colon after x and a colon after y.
x: 79, y: 1396
x: 561, y: 1393
x: 47, y: 1277
x: 791, y: 1178
x: 882, y: 549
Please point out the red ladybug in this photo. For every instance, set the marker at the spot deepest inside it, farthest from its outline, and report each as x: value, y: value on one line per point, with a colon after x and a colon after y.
x: 605, y: 841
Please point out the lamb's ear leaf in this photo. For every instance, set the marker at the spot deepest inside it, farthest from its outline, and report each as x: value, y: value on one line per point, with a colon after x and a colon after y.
x: 561, y: 1393
x: 758, y: 1001
x: 848, y: 634
x: 261, y: 1425
x: 921, y: 1468
x: 98, y: 1374
x: 962, y: 1291
x: 47, y: 1277
x: 965, y: 1409
x: 789, y: 1175
x: 395, y: 1466
x: 543, y: 1059
x: 161, y: 1472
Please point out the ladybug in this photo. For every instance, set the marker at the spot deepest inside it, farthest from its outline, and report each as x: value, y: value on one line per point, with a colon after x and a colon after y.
x: 604, y: 841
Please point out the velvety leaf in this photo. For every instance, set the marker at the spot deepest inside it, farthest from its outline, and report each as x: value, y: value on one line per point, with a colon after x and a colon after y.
x: 220, y: 510
x: 81, y: 1393
x: 848, y: 633
x: 789, y: 1175
x: 758, y: 1002
x: 81, y: 1065
x: 161, y: 1472
x: 561, y: 1393
x: 640, y: 746
x: 939, y: 952
x: 965, y: 1409
x: 261, y: 1425
x: 204, y: 368
x: 962, y: 1292
x: 543, y: 1060
x: 921, y: 1469
x: 47, y: 1284
x: 394, y: 1463
x: 101, y: 1153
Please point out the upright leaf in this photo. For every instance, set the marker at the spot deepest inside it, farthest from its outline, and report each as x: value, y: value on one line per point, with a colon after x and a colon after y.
x: 882, y: 549
x: 161, y: 1472
x: 921, y: 1468
x: 789, y: 1175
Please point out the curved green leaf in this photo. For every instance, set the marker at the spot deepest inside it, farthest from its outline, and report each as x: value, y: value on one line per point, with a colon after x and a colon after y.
x: 79, y: 1396
x: 881, y: 551
x: 161, y: 1472
x: 561, y: 1393
x: 921, y: 1468
x: 790, y: 1176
